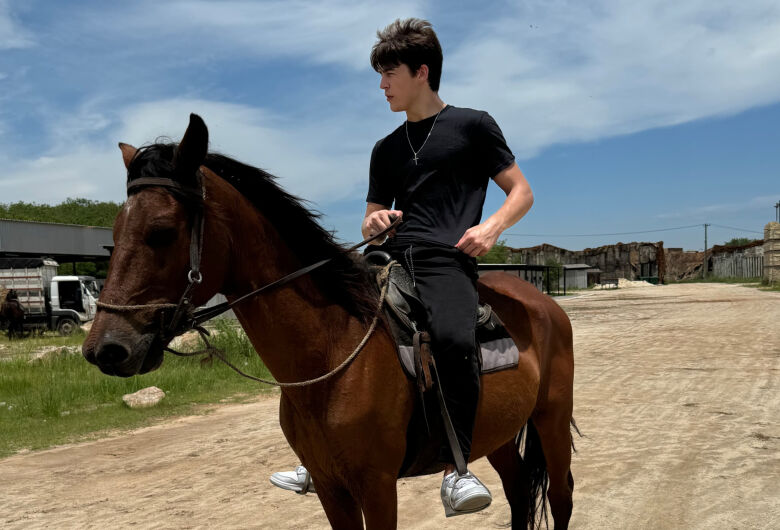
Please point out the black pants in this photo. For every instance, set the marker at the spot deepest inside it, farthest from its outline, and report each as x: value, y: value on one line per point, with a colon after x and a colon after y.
x: 446, y: 280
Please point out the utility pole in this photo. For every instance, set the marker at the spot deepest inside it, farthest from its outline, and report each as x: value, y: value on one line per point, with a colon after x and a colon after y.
x: 704, y: 267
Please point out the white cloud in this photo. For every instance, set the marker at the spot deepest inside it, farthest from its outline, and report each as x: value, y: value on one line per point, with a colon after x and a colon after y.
x: 557, y: 72
x: 305, y: 157
x: 709, y: 211
x: 550, y: 72
x: 334, y: 32
x: 12, y: 35
x: 84, y: 172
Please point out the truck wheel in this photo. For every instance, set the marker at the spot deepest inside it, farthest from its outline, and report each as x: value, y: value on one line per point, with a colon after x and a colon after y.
x: 66, y: 327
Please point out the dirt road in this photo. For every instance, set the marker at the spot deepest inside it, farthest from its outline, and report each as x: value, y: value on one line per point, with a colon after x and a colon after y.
x: 676, y: 392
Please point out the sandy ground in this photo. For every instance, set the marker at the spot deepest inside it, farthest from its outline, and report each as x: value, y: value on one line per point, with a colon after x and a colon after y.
x: 676, y: 393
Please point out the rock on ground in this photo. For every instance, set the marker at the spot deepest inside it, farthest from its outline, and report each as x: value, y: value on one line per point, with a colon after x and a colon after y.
x: 146, y: 397
x: 50, y: 352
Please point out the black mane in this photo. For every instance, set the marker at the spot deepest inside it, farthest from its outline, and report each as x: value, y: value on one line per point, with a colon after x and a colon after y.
x: 343, y: 280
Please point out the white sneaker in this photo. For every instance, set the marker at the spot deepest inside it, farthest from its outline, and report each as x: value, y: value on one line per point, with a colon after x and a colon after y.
x: 298, y: 481
x: 462, y: 494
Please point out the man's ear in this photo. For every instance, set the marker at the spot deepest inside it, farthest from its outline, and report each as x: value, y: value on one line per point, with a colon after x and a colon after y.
x: 422, y: 72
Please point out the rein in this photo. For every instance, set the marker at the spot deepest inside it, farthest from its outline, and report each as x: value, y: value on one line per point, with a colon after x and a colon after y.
x: 185, y: 318
x: 384, y: 279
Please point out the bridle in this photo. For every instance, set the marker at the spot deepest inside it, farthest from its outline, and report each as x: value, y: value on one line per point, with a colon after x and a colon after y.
x: 185, y: 317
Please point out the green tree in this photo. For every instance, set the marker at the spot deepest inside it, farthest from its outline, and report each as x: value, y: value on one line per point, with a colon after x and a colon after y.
x: 86, y: 268
x: 739, y: 241
x: 498, y: 254
x: 554, y: 273
x: 70, y: 211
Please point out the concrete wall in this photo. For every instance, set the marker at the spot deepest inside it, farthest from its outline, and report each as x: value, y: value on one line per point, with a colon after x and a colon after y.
x: 576, y: 278
x: 220, y: 299
x: 52, y: 239
x: 772, y: 253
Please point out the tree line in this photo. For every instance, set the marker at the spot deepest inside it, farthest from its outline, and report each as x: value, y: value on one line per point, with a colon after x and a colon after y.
x: 70, y: 211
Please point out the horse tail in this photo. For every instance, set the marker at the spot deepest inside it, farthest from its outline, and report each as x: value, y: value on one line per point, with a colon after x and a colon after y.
x: 577, y: 430
x: 536, y: 467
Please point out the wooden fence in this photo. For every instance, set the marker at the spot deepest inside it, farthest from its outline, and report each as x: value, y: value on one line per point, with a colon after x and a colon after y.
x: 738, y: 265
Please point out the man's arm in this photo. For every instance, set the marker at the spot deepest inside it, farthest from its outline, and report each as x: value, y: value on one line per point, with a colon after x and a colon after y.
x: 478, y: 240
x: 377, y: 218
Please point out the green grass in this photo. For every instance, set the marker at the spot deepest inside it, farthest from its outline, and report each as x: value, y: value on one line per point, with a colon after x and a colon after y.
x: 748, y: 282
x: 711, y: 279
x: 64, y: 398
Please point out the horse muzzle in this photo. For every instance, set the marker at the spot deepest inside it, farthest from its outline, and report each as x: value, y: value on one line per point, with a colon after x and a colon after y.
x: 124, y: 356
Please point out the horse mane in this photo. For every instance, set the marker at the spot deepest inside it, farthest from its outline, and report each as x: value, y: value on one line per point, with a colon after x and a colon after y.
x: 344, y: 280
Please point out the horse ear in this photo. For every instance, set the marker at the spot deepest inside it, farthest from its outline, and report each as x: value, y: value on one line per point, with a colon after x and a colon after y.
x: 128, y: 152
x: 193, y: 148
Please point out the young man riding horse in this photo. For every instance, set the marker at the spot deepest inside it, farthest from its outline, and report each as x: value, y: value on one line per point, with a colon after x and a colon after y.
x: 434, y: 170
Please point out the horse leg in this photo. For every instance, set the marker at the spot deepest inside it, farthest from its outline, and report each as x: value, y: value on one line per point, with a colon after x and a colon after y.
x: 340, y: 506
x: 514, y: 477
x: 380, y: 503
x: 554, y: 431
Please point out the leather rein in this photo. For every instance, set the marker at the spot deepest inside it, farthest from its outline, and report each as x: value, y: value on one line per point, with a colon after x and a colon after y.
x: 185, y: 317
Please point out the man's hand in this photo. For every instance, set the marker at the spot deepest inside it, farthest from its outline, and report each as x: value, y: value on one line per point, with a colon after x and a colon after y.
x: 378, y: 220
x: 478, y: 240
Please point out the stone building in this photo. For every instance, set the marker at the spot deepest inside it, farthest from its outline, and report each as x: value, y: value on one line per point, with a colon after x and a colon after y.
x: 683, y: 264
x: 637, y: 261
x: 632, y: 261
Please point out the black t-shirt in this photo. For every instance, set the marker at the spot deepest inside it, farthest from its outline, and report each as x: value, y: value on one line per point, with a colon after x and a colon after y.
x: 441, y: 196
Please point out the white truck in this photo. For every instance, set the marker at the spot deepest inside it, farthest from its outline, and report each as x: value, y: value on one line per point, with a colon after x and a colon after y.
x: 50, y: 302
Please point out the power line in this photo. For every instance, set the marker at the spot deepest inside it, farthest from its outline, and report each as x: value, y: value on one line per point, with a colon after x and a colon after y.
x: 607, y: 234
x: 738, y: 229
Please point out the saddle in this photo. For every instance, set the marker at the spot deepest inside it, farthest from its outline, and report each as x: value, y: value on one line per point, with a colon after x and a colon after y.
x: 406, y: 314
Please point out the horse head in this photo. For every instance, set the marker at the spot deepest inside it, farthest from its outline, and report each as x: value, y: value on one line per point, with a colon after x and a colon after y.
x: 151, y: 266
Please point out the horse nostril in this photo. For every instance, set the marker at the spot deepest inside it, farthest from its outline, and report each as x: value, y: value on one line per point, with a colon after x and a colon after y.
x: 112, y: 354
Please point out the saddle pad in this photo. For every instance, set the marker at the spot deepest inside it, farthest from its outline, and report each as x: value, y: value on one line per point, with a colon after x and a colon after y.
x: 497, y: 351
x: 496, y: 355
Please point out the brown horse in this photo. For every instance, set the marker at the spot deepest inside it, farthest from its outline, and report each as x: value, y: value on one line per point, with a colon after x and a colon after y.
x: 11, y: 311
x: 350, y: 430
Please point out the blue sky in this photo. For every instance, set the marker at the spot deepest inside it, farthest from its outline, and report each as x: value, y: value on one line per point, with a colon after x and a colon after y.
x: 624, y: 116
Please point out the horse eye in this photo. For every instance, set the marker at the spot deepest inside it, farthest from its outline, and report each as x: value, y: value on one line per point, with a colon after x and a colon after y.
x: 161, y: 237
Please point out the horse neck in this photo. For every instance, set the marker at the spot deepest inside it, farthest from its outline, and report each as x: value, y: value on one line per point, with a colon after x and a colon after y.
x: 291, y: 327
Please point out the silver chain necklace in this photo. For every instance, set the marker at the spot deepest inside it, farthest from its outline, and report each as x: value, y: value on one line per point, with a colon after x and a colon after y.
x: 406, y: 125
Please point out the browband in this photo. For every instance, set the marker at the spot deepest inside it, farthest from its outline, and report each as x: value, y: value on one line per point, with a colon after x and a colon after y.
x: 164, y: 182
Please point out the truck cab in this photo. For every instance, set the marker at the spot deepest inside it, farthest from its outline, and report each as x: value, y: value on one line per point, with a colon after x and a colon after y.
x: 73, y: 302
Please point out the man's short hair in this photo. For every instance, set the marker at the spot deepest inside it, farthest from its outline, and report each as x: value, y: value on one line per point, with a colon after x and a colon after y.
x: 411, y: 42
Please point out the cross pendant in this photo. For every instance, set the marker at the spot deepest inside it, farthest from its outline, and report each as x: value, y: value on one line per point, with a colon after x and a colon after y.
x: 415, y: 159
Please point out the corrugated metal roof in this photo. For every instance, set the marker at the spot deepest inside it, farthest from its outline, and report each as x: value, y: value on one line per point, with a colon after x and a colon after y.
x: 52, y: 239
